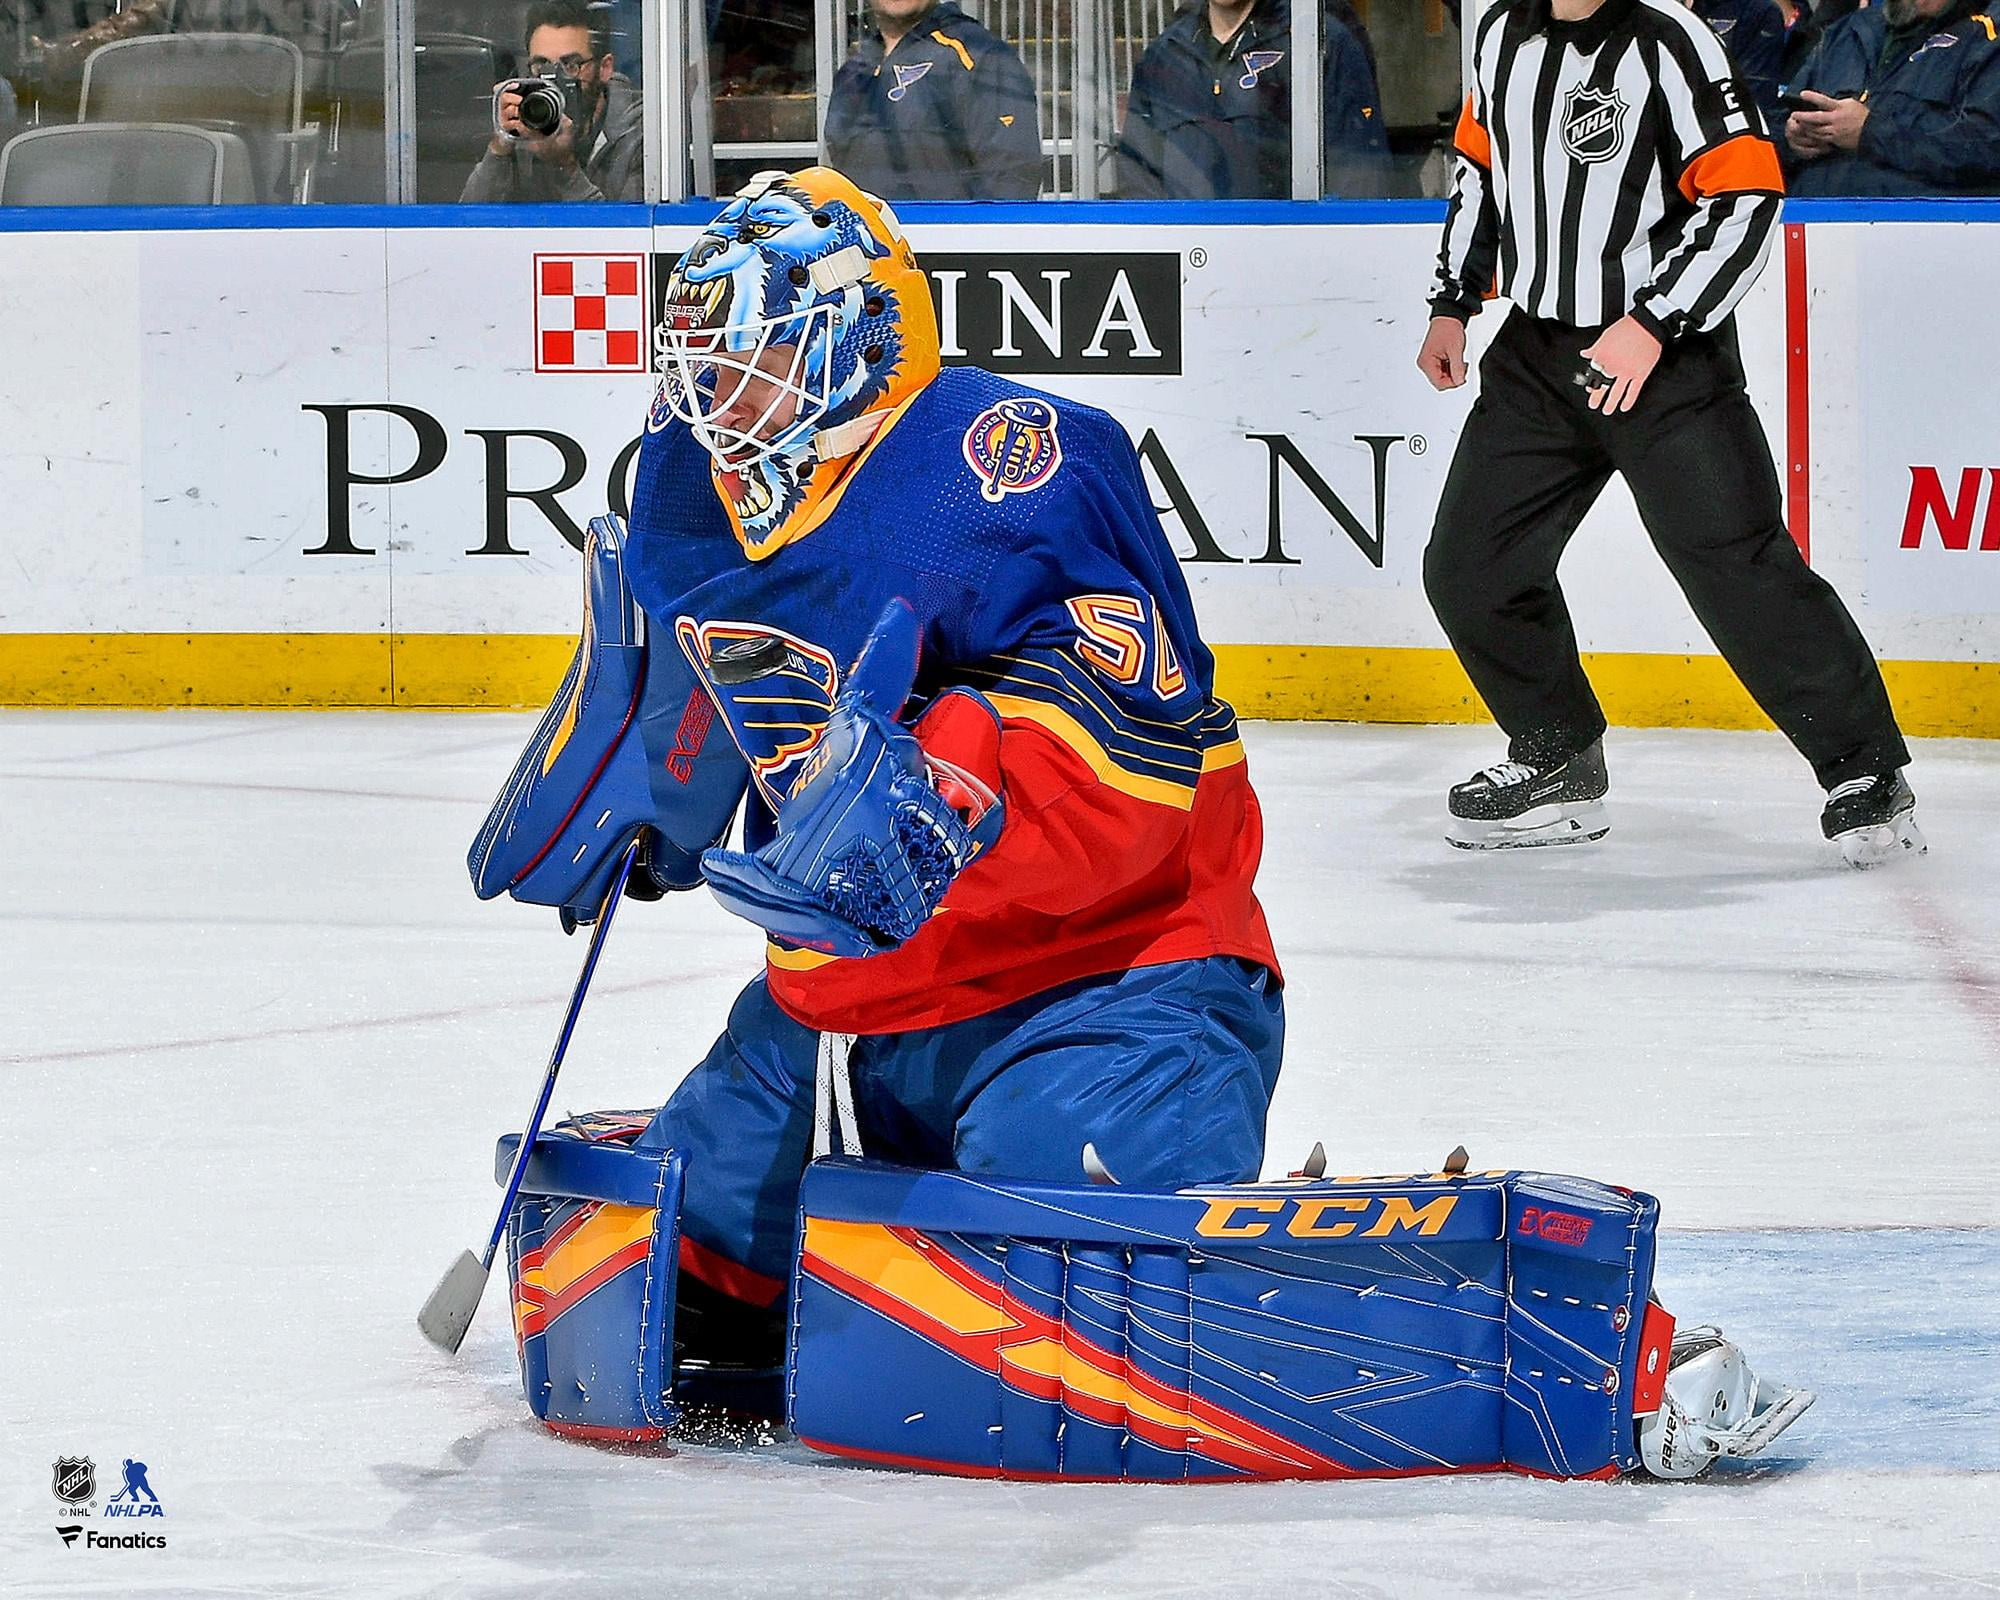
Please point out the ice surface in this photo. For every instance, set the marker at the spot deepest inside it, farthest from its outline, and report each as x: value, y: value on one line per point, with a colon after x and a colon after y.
x: 257, y: 1039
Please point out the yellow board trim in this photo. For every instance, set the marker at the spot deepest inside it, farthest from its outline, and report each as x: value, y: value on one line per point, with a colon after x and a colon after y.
x: 518, y: 672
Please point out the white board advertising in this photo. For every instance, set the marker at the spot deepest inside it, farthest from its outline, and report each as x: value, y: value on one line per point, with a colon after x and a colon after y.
x: 408, y: 428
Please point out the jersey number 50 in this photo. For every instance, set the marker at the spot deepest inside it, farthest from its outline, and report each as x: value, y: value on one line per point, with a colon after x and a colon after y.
x: 1123, y: 638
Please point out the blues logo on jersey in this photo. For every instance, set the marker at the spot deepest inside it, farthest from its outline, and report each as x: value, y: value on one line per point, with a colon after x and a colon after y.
x: 1013, y: 447
x: 775, y: 689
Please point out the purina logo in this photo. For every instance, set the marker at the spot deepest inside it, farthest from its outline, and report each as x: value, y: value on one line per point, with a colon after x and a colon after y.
x: 75, y: 1480
x: 1109, y: 314
x: 590, y: 313
x: 1593, y: 124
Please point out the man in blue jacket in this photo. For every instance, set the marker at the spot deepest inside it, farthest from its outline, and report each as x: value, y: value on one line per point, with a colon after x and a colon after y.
x: 1210, y: 113
x: 1901, y: 99
x: 932, y: 106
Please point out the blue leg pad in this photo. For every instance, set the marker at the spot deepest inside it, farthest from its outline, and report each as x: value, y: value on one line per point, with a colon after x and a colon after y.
x: 1307, y: 1329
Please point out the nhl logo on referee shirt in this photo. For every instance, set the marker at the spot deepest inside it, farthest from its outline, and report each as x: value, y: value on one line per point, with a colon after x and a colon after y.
x: 591, y: 313
x: 1593, y: 124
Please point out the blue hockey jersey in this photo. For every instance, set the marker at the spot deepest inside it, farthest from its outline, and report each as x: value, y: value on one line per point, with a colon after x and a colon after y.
x: 1019, y: 528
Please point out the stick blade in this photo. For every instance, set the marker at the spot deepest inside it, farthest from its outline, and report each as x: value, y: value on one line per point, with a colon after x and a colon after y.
x: 449, y: 1311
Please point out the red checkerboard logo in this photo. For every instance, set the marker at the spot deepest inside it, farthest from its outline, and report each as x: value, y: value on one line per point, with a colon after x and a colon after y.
x: 590, y: 314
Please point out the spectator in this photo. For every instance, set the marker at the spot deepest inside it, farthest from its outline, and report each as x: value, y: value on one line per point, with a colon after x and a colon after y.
x: 62, y: 57
x: 1804, y: 23
x: 1210, y: 113
x: 1753, y: 32
x: 1900, y: 99
x: 933, y: 107
x: 603, y: 159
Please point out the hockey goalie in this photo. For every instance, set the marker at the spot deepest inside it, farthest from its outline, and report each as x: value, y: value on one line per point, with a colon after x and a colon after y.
x: 969, y: 1180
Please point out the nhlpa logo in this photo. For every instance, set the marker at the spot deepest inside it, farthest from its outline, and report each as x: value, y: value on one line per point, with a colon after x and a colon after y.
x: 1012, y: 447
x: 590, y: 313
x: 905, y: 76
x: 126, y: 1502
x: 1256, y: 61
x: 1593, y: 124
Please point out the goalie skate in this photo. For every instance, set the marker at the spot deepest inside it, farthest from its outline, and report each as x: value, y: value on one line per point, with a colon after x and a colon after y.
x: 1515, y: 805
x: 1713, y: 1406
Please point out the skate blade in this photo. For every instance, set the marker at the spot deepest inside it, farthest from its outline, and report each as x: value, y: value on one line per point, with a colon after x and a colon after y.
x: 1862, y: 848
x: 1580, y: 822
x: 1785, y: 1408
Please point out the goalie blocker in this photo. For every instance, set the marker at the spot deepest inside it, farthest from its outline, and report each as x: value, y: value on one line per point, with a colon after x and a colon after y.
x: 627, y: 749
x: 1352, y: 1327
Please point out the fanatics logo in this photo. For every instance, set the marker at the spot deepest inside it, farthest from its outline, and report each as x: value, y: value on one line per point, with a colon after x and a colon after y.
x: 1593, y: 124
x: 590, y: 313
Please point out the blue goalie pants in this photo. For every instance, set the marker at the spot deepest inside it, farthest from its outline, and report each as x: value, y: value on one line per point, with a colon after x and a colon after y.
x: 1166, y: 1070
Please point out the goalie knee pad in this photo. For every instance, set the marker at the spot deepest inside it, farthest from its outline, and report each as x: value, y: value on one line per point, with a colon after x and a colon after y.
x: 626, y: 749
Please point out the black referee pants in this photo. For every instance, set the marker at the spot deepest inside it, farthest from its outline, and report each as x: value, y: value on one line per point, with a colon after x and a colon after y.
x: 1532, y: 460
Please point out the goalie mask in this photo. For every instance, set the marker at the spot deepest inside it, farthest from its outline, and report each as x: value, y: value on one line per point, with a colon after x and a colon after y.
x: 795, y: 327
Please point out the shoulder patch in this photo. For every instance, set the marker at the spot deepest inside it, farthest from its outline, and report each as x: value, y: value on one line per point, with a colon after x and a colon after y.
x: 1012, y: 447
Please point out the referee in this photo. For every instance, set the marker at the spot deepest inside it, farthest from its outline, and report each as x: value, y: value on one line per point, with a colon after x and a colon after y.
x: 1616, y: 183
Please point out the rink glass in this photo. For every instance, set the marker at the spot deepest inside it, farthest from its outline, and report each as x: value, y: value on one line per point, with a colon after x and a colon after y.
x: 389, y: 101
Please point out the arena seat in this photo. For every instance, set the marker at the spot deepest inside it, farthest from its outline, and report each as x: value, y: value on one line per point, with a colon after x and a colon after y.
x: 454, y: 95
x: 247, y: 84
x: 125, y: 164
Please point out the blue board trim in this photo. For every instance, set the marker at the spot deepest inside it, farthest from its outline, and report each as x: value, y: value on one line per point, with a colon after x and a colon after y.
x: 1043, y: 213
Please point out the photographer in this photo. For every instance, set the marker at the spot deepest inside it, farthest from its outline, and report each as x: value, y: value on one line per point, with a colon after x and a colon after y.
x: 597, y: 150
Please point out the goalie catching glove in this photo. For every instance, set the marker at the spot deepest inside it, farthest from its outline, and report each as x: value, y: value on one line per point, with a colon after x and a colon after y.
x: 875, y: 831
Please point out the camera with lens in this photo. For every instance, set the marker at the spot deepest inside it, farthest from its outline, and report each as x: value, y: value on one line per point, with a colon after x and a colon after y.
x: 545, y: 101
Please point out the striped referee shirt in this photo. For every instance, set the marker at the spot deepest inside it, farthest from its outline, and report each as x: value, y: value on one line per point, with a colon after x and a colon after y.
x: 1607, y: 166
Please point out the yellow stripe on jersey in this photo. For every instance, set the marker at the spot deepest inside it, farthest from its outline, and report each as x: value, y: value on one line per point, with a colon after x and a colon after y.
x: 1066, y: 728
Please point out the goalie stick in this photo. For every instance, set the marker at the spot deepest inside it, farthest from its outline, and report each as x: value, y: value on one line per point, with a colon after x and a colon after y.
x: 454, y: 1302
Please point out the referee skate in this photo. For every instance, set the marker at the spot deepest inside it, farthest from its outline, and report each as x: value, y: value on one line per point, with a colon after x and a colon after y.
x: 1514, y: 805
